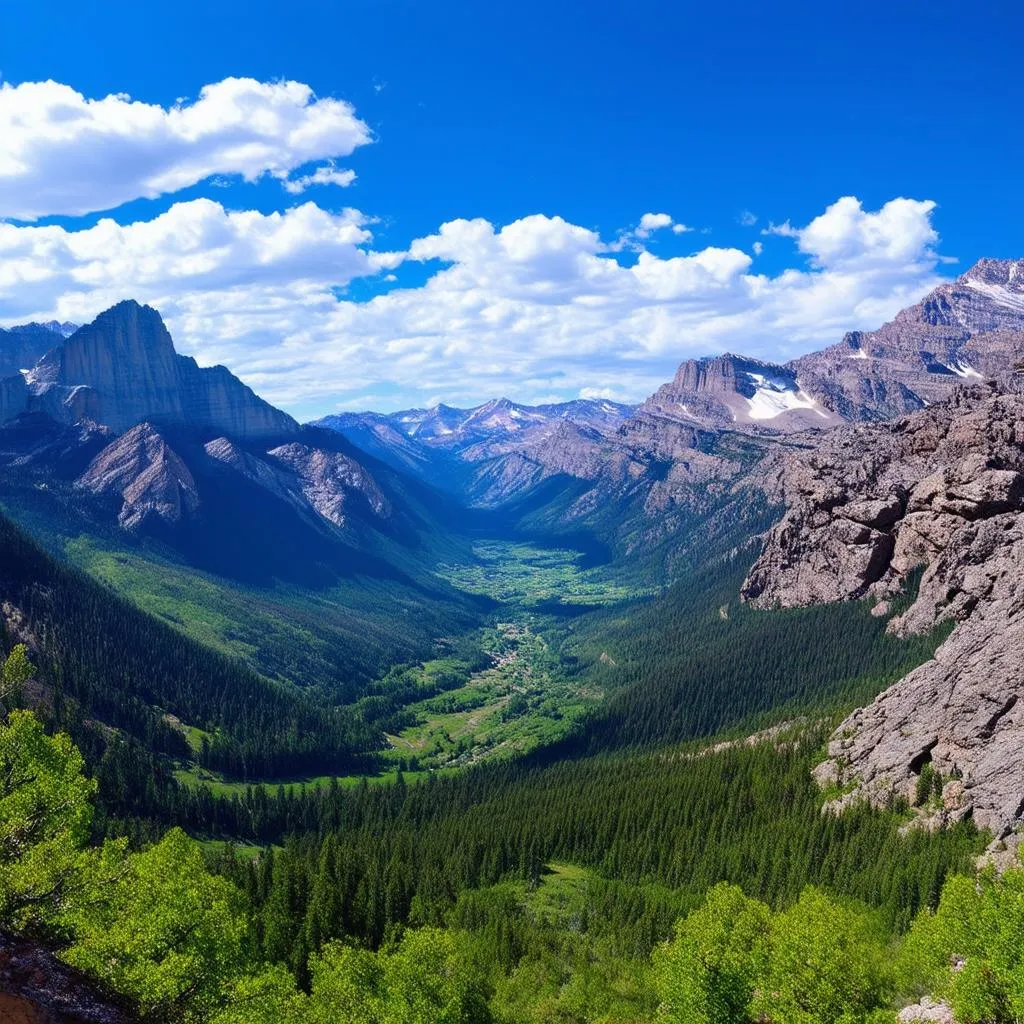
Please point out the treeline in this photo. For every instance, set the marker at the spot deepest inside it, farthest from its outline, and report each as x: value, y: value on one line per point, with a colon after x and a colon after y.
x: 100, y: 657
x: 695, y: 660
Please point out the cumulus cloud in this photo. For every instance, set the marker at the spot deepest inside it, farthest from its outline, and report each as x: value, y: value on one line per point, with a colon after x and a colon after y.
x: 651, y: 222
x: 63, y: 153
x: 194, y: 248
x: 846, y: 234
x: 328, y: 174
x: 747, y: 219
x: 539, y: 306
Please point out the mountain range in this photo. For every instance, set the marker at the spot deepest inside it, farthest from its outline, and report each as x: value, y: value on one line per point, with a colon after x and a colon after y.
x: 892, y: 452
x: 112, y: 410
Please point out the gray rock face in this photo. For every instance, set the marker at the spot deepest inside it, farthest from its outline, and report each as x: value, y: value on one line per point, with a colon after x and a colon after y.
x: 330, y: 481
x: 37, y: 987
x: 14, y: 396
x: 942, y: 490
x: 126, y: 360
x: 151, y: 480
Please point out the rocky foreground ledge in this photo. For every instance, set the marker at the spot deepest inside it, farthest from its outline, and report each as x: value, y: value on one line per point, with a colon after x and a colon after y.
x: 942, y: 491
x: 36, y: 988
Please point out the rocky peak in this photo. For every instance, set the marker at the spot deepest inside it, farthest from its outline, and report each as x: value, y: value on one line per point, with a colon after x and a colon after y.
x: 140, y: 470
x: 126, y: 360
x: 968, y: 329
x: 730, y: 391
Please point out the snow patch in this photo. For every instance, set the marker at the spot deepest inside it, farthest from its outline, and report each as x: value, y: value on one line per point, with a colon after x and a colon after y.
x: 773, y: 398
x: 999, y: 294
x: 963, y: 370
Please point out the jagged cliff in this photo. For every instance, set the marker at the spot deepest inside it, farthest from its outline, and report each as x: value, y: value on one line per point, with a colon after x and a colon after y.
x: 122, y: 370
x: 941, y: 491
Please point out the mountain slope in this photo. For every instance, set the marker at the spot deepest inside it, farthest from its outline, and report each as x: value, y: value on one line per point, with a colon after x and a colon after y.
x: 121, y: 667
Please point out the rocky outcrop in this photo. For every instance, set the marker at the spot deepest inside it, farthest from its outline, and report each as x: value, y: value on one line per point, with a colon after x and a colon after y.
x: 331, y: 481
x: 941, y: 491
x: 36, y: 988
x: 122, y: 369
x: 927, y: 1011
x: 146, y: 475
x: 871, y: 503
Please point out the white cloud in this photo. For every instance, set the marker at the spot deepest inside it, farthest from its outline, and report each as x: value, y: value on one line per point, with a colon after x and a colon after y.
x: 194, y: 248
x: 651, y: 222
x: 758, y: 248
x: 539, y: 306
x: 328, y: 174
x: 681, y: 229
x: 747, y: 219
x: 61, y: 153
x: 846, y: 234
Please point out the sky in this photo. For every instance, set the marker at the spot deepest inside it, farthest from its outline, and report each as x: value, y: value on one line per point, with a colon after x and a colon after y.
x: 385, y: 204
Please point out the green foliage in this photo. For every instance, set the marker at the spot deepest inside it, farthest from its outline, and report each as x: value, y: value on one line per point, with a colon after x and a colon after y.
x: 168, y: 934
x: 45, y: 814
x: 828, y: 963
x: 708, y: 972
x: 972, y: 948
x: 429, y: 978
x: 16, y: 672
x: 268, y: 997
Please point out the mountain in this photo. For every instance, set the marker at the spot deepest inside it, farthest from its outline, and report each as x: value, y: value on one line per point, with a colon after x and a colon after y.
x: 971, y: 328
x: 939, y: 494
x: 493, y: 452
x: 122, y: 369
x: 443, y: 427
x: 23, y: 346
x: 735, y: 392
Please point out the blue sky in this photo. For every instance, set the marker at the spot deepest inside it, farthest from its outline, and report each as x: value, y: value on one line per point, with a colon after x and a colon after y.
x: 583, y: 117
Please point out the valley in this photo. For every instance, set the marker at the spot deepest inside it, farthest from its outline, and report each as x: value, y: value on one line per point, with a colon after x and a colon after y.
x: 509, y: 681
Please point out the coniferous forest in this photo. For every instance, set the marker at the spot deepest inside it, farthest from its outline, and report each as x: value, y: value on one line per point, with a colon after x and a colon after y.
x: 666, y: 857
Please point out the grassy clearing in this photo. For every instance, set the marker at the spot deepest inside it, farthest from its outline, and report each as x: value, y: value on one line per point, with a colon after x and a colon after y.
x: 528, y: 575
x: 195, y: 776
x: 521, y: 701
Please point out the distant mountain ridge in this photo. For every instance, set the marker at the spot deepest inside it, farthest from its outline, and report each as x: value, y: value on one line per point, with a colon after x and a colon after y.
x: 969, y: 329
x: 447, y: 427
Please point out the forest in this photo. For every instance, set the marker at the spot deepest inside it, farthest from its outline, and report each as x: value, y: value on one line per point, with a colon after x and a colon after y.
x: 648, y: 864
x: 185, y: 942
